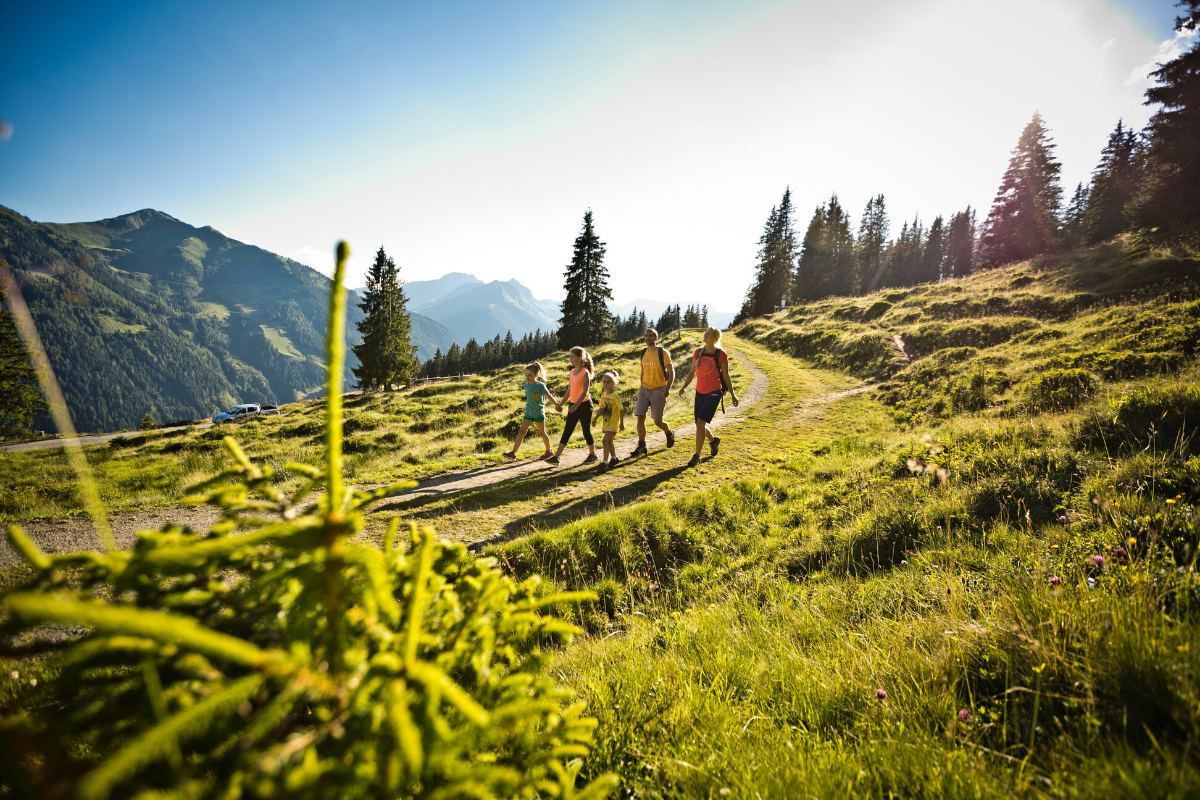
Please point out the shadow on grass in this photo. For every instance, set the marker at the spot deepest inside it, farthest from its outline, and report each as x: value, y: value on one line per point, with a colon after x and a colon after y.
x: 530, y: 485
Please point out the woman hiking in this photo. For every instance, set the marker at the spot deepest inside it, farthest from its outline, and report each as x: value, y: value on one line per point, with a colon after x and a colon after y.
x: 710, y: 368
x: 579, y: 412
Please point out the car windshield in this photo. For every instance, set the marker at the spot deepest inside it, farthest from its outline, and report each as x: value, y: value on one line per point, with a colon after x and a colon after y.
x: 234, y: 410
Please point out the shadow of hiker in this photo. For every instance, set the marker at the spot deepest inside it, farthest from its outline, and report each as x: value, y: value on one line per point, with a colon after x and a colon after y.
x: 491, y: 494
x: 569, y: 510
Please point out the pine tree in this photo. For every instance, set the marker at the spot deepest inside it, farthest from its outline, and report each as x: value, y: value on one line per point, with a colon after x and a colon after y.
x: 20, y: 394
x: 704, y: 316
x: 871, y: 246
x: 510, y: 355
x: 1024, y: 221
x: 452, y: 363
x: 386, y: 355
x: 933, y: 253
x: 826, y: 263
x: 776, y: 261
x: 1168, y: 204
x: 470, y: 356
x: 904, y: 256
x: 960, y: 245
x: 585, y: 316
x: 1113, y: 185
x: 147, y: 423
x: 433, y: 367
x: 1072, y: 228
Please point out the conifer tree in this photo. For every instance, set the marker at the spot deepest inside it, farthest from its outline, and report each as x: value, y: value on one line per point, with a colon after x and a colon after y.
x: 20, y: 394
x: 1024, y: 220
x: 904, y: 255
x: 704, y: 316
x: 871, y: 246
x: 452, y: 363
x: 509, y: 348
x: 1113, y: 185
x: 1168, y: 205
x: 387, y: 355
x: 1072, y: 227
x: 960, y: 245
x: 776, y: 260
x: 933, y: 253
x: 586, y: 319
x: 826, y: 264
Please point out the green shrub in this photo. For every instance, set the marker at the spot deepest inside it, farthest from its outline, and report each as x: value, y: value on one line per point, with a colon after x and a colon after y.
x: 1060, y: 389
x: 487, y: 445
x: 1168, y: 416
x: 434, y: 389
x: 1115, y: 366
x: 274, y: 657
x: 876, y: 310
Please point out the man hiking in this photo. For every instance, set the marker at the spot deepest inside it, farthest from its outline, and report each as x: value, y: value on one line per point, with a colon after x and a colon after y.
x: 658, y: 373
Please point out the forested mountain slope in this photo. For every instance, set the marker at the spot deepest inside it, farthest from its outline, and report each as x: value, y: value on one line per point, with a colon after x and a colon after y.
x: 144, y: 313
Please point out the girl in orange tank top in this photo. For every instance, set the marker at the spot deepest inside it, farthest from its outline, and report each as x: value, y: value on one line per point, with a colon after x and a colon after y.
x: 580, y: 398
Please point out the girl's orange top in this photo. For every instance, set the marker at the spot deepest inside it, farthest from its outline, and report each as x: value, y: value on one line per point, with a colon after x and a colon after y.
x: 577, y: 381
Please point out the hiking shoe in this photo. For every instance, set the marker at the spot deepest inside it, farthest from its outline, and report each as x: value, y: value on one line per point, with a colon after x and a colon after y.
x: 511, y: 456
x: 640, y: 450
x: 695, y: 462
x: 602, y: 468
x: 552, y: 460
x: 546, y: 454
x: 591, y: 459
x: 670, y: 438
x: 713, y: 445
x: 612, y: 462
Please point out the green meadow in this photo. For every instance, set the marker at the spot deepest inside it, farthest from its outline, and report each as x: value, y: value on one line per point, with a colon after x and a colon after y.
x: 977, y: 579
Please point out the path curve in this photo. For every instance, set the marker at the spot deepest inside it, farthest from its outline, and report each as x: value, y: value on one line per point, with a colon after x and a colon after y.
x: 73, y: 534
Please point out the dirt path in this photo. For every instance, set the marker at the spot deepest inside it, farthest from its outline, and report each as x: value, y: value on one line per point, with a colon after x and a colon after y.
x: 72, y: 534
x: 488, y: 476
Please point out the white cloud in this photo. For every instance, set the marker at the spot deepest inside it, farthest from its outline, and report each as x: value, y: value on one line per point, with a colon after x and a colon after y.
x: 1169, y: 50
x: 1109, y: 45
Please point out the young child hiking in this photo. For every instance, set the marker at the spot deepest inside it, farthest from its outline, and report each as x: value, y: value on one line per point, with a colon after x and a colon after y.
x: 536, y: 393
x: 710, y: 368
x: 612, y: 418
x: 579, y: 411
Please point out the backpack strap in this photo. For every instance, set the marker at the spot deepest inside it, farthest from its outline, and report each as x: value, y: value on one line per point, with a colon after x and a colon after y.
x: 662, y: 363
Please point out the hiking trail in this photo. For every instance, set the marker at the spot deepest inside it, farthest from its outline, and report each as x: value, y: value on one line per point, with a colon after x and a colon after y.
x: 77, y: 533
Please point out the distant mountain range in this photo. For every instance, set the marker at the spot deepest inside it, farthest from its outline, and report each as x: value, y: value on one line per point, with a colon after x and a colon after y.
x: 143, y: 313
x: 472, y: 309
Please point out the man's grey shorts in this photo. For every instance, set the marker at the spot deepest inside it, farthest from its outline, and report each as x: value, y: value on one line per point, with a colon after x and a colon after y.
x: 653, y: 399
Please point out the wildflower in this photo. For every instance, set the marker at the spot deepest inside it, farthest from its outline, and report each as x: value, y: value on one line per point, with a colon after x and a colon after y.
x: 1062, y: 519
x: 1055, y: 580
x: 880, y: 694
x: 1097, y: 561
x: 1170, y: 502
x: 903, y: 563
x: 1091, y: 583
x: 939, y: 527
x: 15, y: 675
x: 33, y: 681
x: 964, y: 715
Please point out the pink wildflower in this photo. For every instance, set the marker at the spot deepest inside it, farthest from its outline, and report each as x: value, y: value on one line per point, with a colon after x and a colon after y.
x: 964, y: 715
x: 880, y: 694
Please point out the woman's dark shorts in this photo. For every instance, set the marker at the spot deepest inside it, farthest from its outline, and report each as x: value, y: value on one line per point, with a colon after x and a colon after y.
x: 706, y: 405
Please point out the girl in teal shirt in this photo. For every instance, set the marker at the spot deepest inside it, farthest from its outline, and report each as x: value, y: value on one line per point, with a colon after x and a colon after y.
x: 536, y: 393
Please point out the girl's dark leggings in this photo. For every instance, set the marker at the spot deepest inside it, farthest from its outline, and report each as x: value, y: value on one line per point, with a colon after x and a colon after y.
x: 583, y: 415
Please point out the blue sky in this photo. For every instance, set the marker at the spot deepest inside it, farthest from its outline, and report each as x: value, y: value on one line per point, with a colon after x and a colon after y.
x: 472, y: 136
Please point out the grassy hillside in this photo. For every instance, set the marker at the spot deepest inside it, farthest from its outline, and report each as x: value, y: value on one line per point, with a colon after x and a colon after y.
x: 917, y: 595
x: 977, y: 580
x: 405, y: 434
